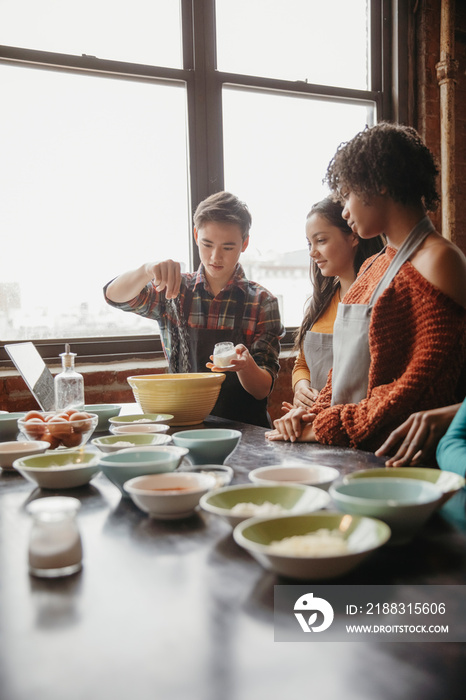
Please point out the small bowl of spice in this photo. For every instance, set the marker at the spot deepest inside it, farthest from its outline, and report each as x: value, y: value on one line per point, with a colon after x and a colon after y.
x: 169, y: 496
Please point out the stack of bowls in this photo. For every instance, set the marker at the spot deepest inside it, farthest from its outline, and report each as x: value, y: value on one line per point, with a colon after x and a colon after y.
x: 189, y: 397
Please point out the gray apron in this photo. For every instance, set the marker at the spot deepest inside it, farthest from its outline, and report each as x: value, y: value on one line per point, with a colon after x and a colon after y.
x: 351, y: 355
x: 318, y: 353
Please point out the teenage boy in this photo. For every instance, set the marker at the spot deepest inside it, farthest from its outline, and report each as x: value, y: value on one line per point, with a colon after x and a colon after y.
x: 217, y: 303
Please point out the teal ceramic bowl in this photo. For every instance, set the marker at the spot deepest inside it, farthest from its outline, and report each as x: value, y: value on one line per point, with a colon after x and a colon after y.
x: 237, y: 503
x: 448, y: 482
x: 114, y: 443
x: 209, y: 446
x: 9, y: 425
x: 361, y: 535
x: 58, y: 469
x: 404, y: 504
x: 126, y: 464
x: 104, y: 411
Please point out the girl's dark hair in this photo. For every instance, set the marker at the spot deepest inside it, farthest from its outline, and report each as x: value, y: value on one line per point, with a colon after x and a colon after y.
x: 324, y: 288
x: 386, y: 156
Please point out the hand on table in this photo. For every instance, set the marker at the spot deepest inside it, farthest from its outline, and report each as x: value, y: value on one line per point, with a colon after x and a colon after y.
x: 417, y: 438
x: 295, y: 426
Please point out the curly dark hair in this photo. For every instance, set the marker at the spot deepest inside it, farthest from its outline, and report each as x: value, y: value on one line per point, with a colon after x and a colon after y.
x: 386, y: 156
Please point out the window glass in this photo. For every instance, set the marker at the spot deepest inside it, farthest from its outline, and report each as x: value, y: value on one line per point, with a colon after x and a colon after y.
x: 277, y: 150
x: 324, y: 43
x: 138, y: 31
x: 93, y: 182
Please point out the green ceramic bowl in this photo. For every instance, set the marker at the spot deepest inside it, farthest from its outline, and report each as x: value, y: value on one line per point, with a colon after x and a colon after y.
x: 126, y: 464
x: 57, y: 469
x: 293, y: 498
x: 208, y: 446
x: 104, y: 411
x: 9, y: 425
x: 448, y: 482
x: 113, y: 443
x: 141, y: 418
x: 362, y: 535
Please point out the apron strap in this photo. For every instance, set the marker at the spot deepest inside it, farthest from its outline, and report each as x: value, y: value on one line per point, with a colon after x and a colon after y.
x: 410, y: 245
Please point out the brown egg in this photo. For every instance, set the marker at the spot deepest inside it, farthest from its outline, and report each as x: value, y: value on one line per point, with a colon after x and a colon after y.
x: 35, y: 428
x: 72, y: 440
x: 59, y: 427
x: 33, y: 414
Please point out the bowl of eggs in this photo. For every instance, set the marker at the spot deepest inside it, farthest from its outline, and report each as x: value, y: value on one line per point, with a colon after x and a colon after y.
x: 70, y: 428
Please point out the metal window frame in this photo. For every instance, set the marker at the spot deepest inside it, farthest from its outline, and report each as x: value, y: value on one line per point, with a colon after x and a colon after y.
x: 204, y: 85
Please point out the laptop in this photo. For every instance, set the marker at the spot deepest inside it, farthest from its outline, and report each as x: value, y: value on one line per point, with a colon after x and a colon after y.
x: 35, y: 373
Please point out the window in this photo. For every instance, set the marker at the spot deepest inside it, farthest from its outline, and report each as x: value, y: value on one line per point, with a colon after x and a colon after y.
x: 118, y: 118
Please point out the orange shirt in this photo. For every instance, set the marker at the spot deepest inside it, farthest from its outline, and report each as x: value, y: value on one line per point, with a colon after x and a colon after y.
x: 324, y: 324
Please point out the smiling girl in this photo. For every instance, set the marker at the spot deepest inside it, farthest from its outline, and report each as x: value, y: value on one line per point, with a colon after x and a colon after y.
x: 336, y: 254
x: 400, y: 333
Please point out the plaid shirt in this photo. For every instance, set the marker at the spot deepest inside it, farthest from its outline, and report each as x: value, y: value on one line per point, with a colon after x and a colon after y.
x: 261, y: 324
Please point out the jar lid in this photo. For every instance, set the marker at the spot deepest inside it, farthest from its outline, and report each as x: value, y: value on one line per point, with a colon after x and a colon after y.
x: 54, y: 506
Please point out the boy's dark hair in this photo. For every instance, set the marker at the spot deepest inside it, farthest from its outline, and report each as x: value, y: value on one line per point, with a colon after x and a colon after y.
x: 225, y: 208
x: 390, y: 156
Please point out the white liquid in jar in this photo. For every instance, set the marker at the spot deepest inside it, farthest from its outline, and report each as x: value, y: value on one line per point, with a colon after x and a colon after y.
x: 224, y: 354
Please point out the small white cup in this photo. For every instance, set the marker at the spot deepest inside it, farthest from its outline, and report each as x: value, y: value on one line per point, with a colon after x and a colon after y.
x: 224, y: 354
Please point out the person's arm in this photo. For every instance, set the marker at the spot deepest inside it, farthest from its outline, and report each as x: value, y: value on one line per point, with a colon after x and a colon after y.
x: 451, y: 450
x: 410, y: 308
x: 165, y: 275
x: 304, y: 393
x: 416, y: 440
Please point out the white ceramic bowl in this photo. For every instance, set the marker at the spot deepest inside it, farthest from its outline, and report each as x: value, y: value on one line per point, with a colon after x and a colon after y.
x: 10, y: 451
x: 292, y: 498
x: 114, y: 443
x: 139, y: 428
x: 169, y: 496
x: 448, y: 482
x: 312, y: 474
x: 208, y: 444
x: 362, y: 536
x: 189, y: 397
x: 126, y: 464
x: 404, y: 504
x: 59, y: 470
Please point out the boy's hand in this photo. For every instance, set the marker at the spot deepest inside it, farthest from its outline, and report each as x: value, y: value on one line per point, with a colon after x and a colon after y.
x: 242, y: 358
x: 166, y: 276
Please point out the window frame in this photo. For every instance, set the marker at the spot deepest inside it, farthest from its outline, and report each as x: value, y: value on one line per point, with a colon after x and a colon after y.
x: 204, y: 83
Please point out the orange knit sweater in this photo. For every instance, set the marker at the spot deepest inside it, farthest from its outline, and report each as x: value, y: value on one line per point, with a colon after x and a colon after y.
x: 417, y: 342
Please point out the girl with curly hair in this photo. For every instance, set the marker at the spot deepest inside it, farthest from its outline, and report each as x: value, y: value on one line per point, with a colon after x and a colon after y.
x: 400, y: 333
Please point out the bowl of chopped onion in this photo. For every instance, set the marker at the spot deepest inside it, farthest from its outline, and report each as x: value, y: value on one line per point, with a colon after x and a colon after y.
x: 313, y: 546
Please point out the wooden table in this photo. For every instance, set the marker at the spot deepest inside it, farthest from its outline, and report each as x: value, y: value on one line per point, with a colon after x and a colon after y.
x: 177, y: 610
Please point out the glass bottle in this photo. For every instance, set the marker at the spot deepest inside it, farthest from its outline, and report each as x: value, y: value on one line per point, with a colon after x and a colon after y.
x: 55, y: 547
x: 68, y: 384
